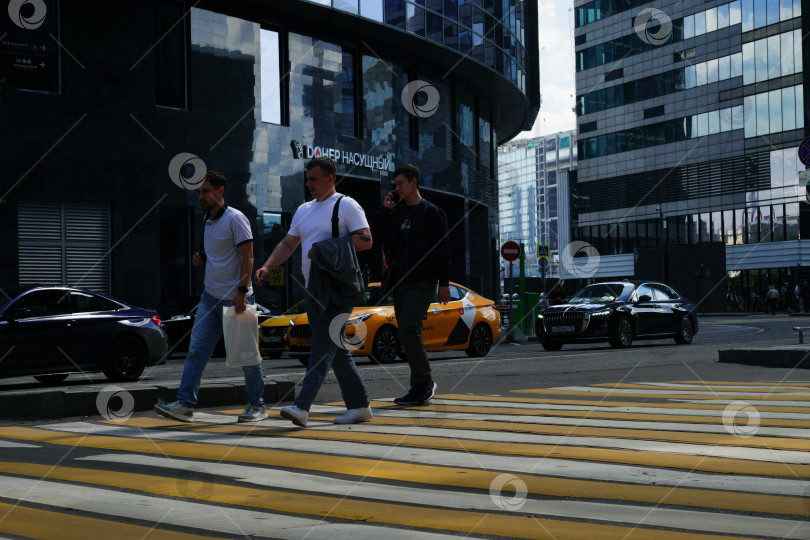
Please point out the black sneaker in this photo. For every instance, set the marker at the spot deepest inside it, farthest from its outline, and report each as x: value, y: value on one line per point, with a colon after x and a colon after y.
x: 414, y: 397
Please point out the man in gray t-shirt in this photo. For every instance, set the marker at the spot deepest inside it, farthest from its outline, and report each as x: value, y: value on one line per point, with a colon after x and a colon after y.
x: 228, y: 258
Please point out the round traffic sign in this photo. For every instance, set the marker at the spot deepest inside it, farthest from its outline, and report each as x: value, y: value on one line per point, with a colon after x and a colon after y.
x: 510, y: 251
x: 804, y: 152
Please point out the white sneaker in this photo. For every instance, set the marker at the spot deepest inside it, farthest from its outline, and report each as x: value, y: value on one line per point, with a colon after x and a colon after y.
x: 175, y: 411
x: 253, y: 413
x: 295, y: 415
x: 354, y: 416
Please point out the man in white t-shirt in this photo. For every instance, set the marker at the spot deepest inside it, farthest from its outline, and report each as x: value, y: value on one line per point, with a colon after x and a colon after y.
x: 228, y: 258
x: 312, y: 223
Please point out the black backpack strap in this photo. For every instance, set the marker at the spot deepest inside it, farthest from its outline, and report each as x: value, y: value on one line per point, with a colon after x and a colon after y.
x: 335, y: 231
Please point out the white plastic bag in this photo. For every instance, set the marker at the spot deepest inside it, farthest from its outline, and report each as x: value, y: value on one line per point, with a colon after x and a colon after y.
x: 241, y: 335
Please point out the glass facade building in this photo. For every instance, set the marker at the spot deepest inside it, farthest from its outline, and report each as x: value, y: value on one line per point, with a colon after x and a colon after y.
x: 533, y: 175
x: 102, y: 134
x: 689, y: 123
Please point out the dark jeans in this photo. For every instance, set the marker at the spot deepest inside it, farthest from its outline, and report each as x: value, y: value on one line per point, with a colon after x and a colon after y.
x: 330, y: 351
x: 411, y: 302
x: 772, y: 305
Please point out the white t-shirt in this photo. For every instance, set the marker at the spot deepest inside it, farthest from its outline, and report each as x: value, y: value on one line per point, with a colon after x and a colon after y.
x: 223, y: 263
x: 312, y: 223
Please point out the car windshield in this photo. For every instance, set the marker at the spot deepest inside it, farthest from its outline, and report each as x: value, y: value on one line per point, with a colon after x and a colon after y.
x: 602, y: 293
x: 374, y: 298
x: 297, y: 309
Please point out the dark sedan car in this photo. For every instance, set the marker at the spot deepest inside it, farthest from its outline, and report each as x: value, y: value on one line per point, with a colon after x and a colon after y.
x: 50, y: 332
x: 178, y: 328
x: 618, y: 312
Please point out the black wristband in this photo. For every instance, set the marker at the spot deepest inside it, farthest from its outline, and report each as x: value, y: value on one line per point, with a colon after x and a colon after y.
x: 242, y: 289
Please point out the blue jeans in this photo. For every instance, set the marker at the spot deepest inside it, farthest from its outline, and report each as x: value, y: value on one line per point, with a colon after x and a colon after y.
x: 205, y: 334
x: 325, y: 353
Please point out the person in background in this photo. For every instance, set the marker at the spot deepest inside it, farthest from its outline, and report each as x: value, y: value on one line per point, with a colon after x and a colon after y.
x: 772, y: 296
x: 417, y: 251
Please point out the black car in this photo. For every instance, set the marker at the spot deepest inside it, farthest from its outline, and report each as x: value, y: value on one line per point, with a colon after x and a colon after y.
x: 618, y: 312
x: 178, y: 328
x: 50, y: 332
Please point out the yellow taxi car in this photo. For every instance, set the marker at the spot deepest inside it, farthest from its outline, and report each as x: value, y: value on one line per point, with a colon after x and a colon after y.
x: 468, y: 322
x: 273, y: 332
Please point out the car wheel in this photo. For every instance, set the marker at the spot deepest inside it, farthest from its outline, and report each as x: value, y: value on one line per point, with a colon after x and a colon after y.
x: 622, y: 334
x: 480, y: 341
x: 686, y: 332
x: 552, y: 345
x: 386, y: 345
x: 128, y: 360
x: 51, y: 379
x: 274, y: 355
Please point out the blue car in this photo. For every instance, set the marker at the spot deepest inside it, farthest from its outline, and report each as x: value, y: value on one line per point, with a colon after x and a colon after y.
x: 51, y: 332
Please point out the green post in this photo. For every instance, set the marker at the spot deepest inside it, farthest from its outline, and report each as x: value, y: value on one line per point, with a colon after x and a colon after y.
x: 522, y: 312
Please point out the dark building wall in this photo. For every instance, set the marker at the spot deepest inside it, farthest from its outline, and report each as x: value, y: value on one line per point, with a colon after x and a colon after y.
x: 102, y: 138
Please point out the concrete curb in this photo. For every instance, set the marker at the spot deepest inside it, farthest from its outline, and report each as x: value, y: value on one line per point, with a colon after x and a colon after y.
x: 791, y: 356
x: 68, y: 402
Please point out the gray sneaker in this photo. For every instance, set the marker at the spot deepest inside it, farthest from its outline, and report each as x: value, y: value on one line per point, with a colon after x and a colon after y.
x: 253, y: 413
x: 175, y: 411
x: 295, y: 415
x: 354, y: 416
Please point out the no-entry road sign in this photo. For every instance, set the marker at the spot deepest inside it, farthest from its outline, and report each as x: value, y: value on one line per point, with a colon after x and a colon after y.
x: 510, y: 251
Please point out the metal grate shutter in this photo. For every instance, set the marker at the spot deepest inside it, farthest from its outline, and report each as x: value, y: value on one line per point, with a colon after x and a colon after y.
x: 40, y: 264
x: 65, y: 244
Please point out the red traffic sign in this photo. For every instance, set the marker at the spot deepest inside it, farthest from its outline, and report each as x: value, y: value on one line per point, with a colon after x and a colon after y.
x: 510, y: 251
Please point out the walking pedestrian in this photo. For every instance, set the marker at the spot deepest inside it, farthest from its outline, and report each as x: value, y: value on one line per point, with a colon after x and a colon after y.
x: 327, y: 215
x: 418, y: 254
x: 227, y: 254
x: 786, y: 298
x: 773, y: 299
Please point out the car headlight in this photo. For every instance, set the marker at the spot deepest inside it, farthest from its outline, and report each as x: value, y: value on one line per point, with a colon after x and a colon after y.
x: 603, y: 313
x: 359, y: 318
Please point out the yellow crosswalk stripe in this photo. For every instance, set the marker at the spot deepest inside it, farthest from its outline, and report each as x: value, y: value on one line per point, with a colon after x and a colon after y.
x: 735, y: 396
x: 709, y: 439
x: 738, y: 383
x: 34, y: 523
x: 605, y: 455
x: 605, y: 403
x: 476, y: 522
x: 701, y: 388
x: 644, y: 417
x: 458, y: 477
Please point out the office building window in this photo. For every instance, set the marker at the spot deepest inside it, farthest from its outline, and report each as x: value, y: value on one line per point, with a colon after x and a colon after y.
x: 271, y: 82
x: 775, y: 111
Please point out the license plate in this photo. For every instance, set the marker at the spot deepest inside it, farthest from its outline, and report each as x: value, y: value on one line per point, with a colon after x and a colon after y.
x: 562, y: 329
x: 271, y: 339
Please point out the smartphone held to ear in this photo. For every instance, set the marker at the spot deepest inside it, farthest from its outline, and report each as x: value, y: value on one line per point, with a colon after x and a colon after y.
x: 394, y: 194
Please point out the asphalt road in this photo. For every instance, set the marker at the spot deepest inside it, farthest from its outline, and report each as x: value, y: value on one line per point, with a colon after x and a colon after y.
x: 502, y: 447
x: 510, y: 366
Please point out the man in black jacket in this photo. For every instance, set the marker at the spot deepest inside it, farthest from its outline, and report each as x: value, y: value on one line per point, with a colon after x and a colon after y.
x: 418, y: 256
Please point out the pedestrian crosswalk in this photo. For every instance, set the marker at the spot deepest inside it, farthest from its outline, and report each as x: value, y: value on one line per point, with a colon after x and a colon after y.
x: 670, y: 460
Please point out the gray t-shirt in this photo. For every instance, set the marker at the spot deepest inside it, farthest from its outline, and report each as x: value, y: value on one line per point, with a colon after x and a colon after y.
x: 223, y: 263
